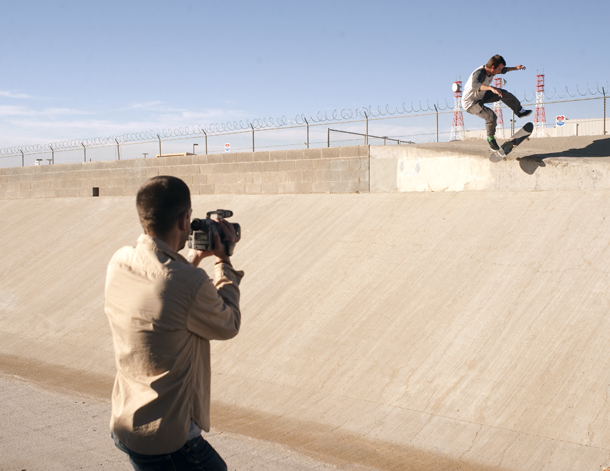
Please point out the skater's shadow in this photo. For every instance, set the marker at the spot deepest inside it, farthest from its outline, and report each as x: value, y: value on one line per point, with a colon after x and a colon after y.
x: 599, y: 148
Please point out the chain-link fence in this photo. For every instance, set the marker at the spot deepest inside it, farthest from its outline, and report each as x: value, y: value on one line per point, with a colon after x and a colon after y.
x: 564, y: 116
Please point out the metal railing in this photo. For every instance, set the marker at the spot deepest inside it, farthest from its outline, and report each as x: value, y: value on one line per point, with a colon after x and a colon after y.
x: 367, y: 137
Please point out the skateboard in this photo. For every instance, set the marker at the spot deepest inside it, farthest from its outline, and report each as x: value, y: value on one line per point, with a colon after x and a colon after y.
x: 506, y: 148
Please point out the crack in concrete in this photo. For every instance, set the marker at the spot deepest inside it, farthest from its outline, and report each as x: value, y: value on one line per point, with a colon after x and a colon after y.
x: 472, y: 444
x: 590, y: 431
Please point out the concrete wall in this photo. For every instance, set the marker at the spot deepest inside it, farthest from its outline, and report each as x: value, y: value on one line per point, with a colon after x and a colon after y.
x: 552, y: 164
x: 326, y: 170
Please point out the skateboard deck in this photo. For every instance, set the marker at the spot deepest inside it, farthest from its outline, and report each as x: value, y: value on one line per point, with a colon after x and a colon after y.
x: 506, y: 148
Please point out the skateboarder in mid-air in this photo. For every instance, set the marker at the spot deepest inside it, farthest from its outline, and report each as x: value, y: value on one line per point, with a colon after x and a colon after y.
x: 478, y: 92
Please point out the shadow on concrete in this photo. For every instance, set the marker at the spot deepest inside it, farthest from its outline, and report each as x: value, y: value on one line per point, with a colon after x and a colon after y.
x: 529, y: 164
x: 599, y: 148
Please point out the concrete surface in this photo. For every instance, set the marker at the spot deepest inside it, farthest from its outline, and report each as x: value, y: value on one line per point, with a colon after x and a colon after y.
x: 398, y: 331
x: 58, y: 432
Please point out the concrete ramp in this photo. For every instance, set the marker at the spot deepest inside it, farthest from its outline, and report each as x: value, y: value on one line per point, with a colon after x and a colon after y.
x: 397, y: 331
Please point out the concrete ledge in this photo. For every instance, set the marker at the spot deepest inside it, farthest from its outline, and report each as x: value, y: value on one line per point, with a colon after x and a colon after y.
x: 465, y: 166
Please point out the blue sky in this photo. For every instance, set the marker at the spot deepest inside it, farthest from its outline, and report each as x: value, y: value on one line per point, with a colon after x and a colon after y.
x: 80, y: 69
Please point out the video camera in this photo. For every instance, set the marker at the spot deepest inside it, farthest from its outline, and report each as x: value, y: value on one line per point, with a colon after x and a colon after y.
x: 203, y: 230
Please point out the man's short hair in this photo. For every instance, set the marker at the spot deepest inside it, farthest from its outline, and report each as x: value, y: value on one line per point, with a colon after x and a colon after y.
x: 495, y: 61
x: 160, y: 202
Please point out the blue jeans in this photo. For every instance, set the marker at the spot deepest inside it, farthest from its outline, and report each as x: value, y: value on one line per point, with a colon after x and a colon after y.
x: 195, y: 455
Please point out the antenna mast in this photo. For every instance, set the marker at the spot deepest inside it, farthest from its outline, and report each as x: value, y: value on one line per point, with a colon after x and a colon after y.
x: 457, y: 127
x: 498, y: 83
x: 539, y: 115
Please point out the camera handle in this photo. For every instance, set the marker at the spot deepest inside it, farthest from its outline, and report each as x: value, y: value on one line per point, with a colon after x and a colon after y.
x: 223, y: 213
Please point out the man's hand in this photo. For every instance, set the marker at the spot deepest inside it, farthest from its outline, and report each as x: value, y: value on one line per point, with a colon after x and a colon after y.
x: 497, y: 91
x: 229, y: 235
x: 520, y: 67
x: 195, y: 256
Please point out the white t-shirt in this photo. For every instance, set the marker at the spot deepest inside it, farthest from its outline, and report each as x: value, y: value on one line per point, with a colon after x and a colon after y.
x: 472, y: 89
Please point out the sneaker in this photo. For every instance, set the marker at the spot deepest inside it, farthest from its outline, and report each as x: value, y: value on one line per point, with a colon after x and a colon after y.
x: 523, y: 113
x: 492, y: 143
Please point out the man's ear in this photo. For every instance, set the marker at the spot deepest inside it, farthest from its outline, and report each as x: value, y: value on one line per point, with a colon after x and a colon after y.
x: 183, y: 221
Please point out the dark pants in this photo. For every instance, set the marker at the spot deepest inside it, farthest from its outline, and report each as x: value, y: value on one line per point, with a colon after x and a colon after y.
x: 478, y: 109
x: 195, y: 455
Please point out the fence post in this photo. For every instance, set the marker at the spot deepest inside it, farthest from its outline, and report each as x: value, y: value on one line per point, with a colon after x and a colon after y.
x: 52, y: 154
x: 307, y: 131
x: 159, y: 137
x: 604, y: 92
x: 366, y: 138
x: 22, y: 158
x: 512, y: 125
x: 85, y: 151
x: 436, y: 109
x: 252, y: 136
x: 328, y: 138
x: 118, y: 149
x: 206, y: 141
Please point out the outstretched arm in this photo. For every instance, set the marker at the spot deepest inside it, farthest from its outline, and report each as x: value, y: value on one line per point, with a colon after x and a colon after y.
x: 510, y: 69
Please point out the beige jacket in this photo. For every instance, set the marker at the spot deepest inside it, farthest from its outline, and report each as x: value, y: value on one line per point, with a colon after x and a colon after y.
x: 163, y: 312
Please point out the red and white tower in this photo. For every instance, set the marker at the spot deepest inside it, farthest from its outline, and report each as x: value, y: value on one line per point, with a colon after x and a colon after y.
x: 498, y: 83
x: 539, y: 115
x: 457, y: 127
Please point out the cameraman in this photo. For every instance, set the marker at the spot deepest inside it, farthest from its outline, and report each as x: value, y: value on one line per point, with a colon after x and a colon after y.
x: 163, y: 312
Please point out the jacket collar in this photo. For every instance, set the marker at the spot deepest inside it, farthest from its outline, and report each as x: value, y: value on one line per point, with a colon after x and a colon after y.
x: 157, y: 245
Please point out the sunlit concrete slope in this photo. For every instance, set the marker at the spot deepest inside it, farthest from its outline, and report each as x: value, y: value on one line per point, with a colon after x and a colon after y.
x: 399, y: 331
